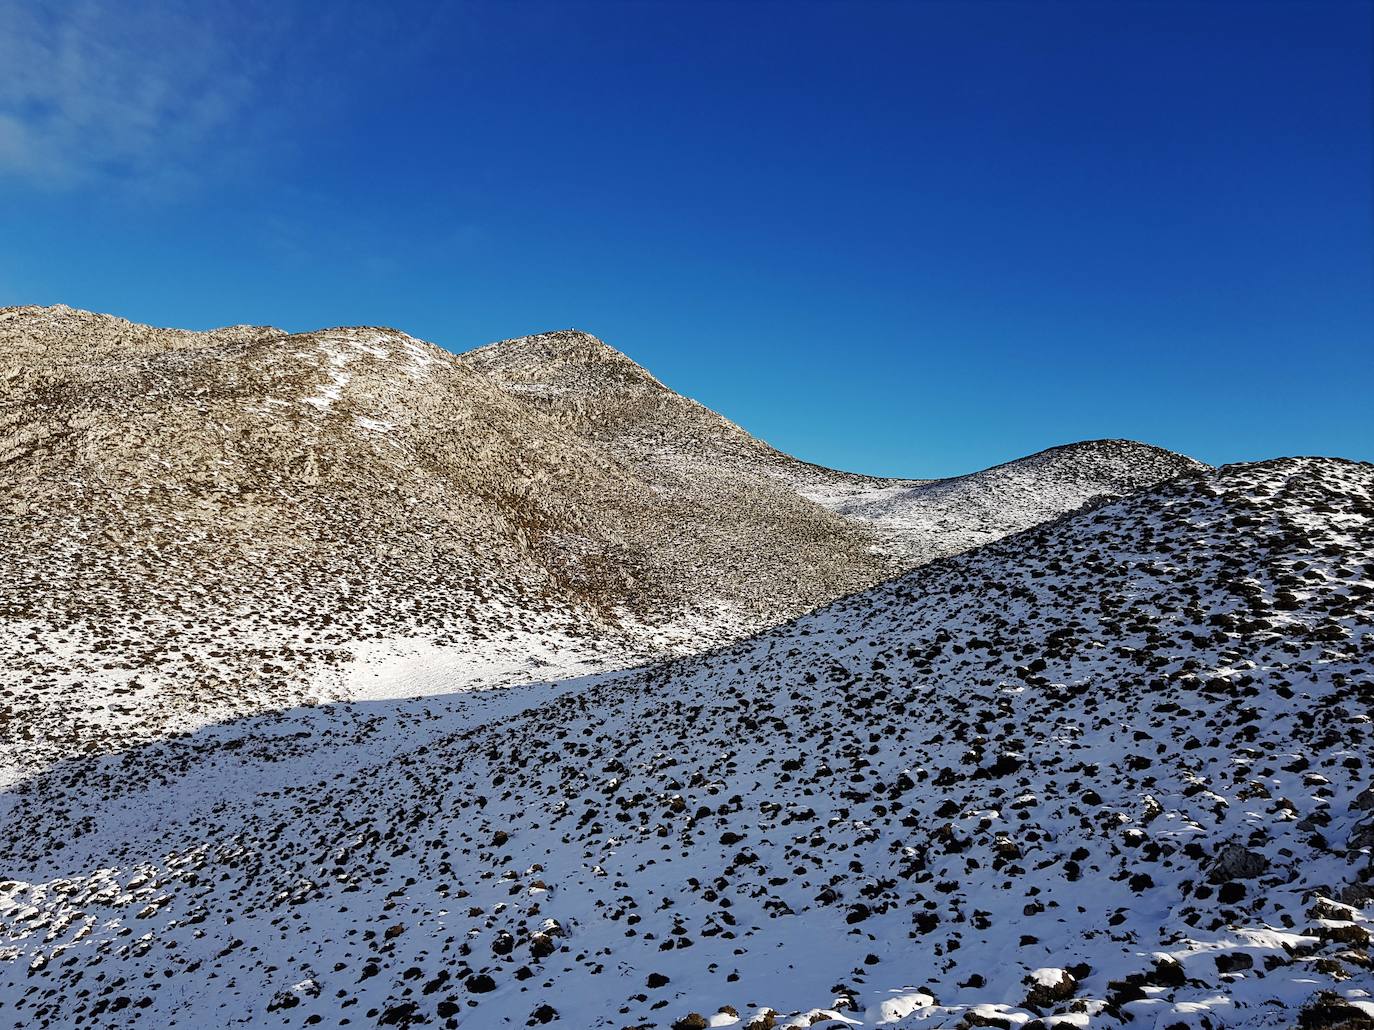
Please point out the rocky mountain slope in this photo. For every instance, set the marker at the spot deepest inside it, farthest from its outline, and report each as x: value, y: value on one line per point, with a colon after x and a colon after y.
x: 197, y: 526
x: 679, y: 445
x: 603, y: 396
x: 924, y: 520
x: 1114, y: 769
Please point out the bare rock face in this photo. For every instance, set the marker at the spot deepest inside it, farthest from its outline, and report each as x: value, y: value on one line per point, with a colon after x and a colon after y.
x: 1330, y: 1011
x: 1362, y: 835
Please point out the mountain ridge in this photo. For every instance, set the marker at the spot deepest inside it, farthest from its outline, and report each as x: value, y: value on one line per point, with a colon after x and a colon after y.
x: 363, y: 502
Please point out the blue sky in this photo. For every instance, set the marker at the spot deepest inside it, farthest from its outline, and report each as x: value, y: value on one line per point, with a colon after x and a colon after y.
x: 912, y: 238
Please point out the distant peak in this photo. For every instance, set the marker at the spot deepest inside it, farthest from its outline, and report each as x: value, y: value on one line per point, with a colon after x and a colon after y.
x: 566, y: 344
x: 1119, y: 447
x: 563, y: 355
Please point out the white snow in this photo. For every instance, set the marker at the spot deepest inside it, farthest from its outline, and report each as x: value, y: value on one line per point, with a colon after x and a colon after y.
x: 907, y: 809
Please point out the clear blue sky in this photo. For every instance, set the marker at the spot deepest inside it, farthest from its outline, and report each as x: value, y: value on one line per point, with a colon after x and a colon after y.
x: 912, y: 238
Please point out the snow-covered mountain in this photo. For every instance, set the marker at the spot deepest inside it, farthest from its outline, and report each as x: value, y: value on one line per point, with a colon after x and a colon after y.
x: 347, y: 681
x: 925, y: 520
x: 1116, y: 768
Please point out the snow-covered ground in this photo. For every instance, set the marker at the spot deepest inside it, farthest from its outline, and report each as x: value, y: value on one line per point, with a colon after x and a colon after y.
x: 921, y: 520
x: 1114, y: 769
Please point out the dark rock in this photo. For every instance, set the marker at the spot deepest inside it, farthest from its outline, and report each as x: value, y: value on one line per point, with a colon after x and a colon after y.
x: 1050, y: 989
x: 1234, y: 961
x: 1234, y: 862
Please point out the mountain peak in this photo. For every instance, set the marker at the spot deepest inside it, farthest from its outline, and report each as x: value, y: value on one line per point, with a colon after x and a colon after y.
x: 554, y: 345
x: 564, y: 359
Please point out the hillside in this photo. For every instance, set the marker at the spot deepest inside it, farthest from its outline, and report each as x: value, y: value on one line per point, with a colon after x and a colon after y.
x: 924, y: 520
x: 196, y: 526
x: 677, y: 444
x: 1116, y: 768
x: 200, y: 525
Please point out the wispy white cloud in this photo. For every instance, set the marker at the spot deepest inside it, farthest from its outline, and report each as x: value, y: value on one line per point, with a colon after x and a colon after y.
x: 142, y: 93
